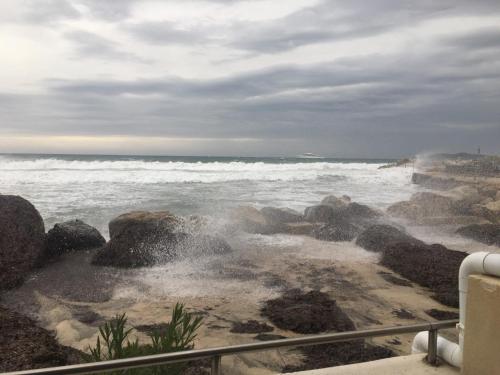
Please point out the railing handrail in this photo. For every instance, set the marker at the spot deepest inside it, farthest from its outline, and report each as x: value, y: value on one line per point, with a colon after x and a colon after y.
x: 218, y: 352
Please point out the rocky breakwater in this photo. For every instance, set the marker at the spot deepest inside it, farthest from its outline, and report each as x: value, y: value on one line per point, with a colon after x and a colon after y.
x: 457, y: 206
x: 141, y: 239
x: 333, y: 219
x: 430, y: 265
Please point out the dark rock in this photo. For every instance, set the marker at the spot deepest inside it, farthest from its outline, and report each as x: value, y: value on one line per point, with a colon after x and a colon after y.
x: 342, y: 231
x: 442, y: 315
x: 338, y: 354
x: 150, y: 329
x: 72, y: 235
x: 141, y: 239
x: 87, y: 316
x: 132, y: 250
x: 319, y: 213
x: 485, y: 233
x: 251, y: 326
x: 357, y: 211
x: 252, y: 220
x: 281, y: 215
x: 335, y: 202
x: 25, y: 346
x: 377, y: 237
x: 433, y: 182
x: 268, y: 337
x: 310, y: 312
x: 403, y: 314
x: 203, y: 245
x: 22, y: 240
x: 389, y: 277
x: 431, y: 266
x: 394, y: 341
x: 144, y: 223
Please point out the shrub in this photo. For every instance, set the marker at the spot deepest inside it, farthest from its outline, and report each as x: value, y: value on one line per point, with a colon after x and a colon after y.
x: 113, y: 342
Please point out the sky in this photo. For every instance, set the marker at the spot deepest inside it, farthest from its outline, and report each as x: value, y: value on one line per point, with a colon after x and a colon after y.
x: 378, y: 78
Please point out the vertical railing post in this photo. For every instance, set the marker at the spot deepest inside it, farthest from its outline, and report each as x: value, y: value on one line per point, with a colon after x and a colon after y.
x: 432, y: 347
x: 216, y: 361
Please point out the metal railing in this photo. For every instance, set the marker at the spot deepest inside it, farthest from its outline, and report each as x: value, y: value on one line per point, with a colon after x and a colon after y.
x: 216, y: 353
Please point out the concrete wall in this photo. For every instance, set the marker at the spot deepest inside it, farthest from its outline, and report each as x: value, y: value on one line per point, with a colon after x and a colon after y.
x: 482, y: 333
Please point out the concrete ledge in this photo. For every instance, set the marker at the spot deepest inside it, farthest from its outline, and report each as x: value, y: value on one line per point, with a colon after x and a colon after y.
x: 408, y: 365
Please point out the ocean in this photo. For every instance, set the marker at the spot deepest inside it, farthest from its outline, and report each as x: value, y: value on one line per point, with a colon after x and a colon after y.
x: 96, y: 188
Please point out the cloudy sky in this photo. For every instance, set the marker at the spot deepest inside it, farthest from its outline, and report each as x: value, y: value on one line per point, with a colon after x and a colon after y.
x: 377, y: 78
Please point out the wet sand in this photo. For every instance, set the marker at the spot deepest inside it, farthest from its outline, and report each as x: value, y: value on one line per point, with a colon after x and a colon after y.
x: 73, y: 297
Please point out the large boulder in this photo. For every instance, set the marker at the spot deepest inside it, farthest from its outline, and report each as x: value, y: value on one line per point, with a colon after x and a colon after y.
x: 140, y: 239
x: 423, y: 205
x: 434, y: 182
x: 320, y: 213
x: 252, y: 220
x: 25, y: 346
x: 335, y: 202
x: 22, y: 240
x: 485, y: 233
x: 378, y: 237
x: 340, y: 231
x: 72, y: 235
x: 281, y: 215
x: 144, y: 222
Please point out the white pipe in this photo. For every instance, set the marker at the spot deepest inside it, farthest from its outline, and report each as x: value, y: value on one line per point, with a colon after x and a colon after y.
x: 447, y: 350
x: 482, y: 263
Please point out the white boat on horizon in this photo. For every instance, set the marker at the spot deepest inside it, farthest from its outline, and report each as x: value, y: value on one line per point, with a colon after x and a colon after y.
x: 309, y: 155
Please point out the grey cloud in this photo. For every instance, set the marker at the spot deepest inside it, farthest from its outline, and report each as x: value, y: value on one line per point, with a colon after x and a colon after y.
x: 485, y: 38
x: 165, y: 32
x: 89, y: 45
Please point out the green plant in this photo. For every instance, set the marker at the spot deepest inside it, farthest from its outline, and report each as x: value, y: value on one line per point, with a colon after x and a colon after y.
x: 113, y: 342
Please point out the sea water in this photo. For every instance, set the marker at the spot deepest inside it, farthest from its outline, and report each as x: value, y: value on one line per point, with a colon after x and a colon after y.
x: 96, y: 188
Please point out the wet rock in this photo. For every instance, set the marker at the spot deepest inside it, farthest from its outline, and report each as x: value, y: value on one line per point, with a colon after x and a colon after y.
x: 338, y: 354
x: 22, y: 240
x: 441, y: 314
x: 389, y: 277
x: 251, y: 220
x: 302, y: 228
x: 485, y: 233
x: 335, y: 202
x: 356, y: 211
x: 310, y: 312
x: 150, y: 329
x: 251, y: 326
x: 377, y: 237
x: 87, y: 316
x: 203, y: 244
x: 132, y: 250
x: 403, y: 314
x: 433, y: 182
x: 341, y: 231
x: 143, y: 224
x: 140, y: 239
x: 26, y: 346
x: 431, y: 266
x: 72, y: 235
x: 281, y: 215
x: 320, y: 213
